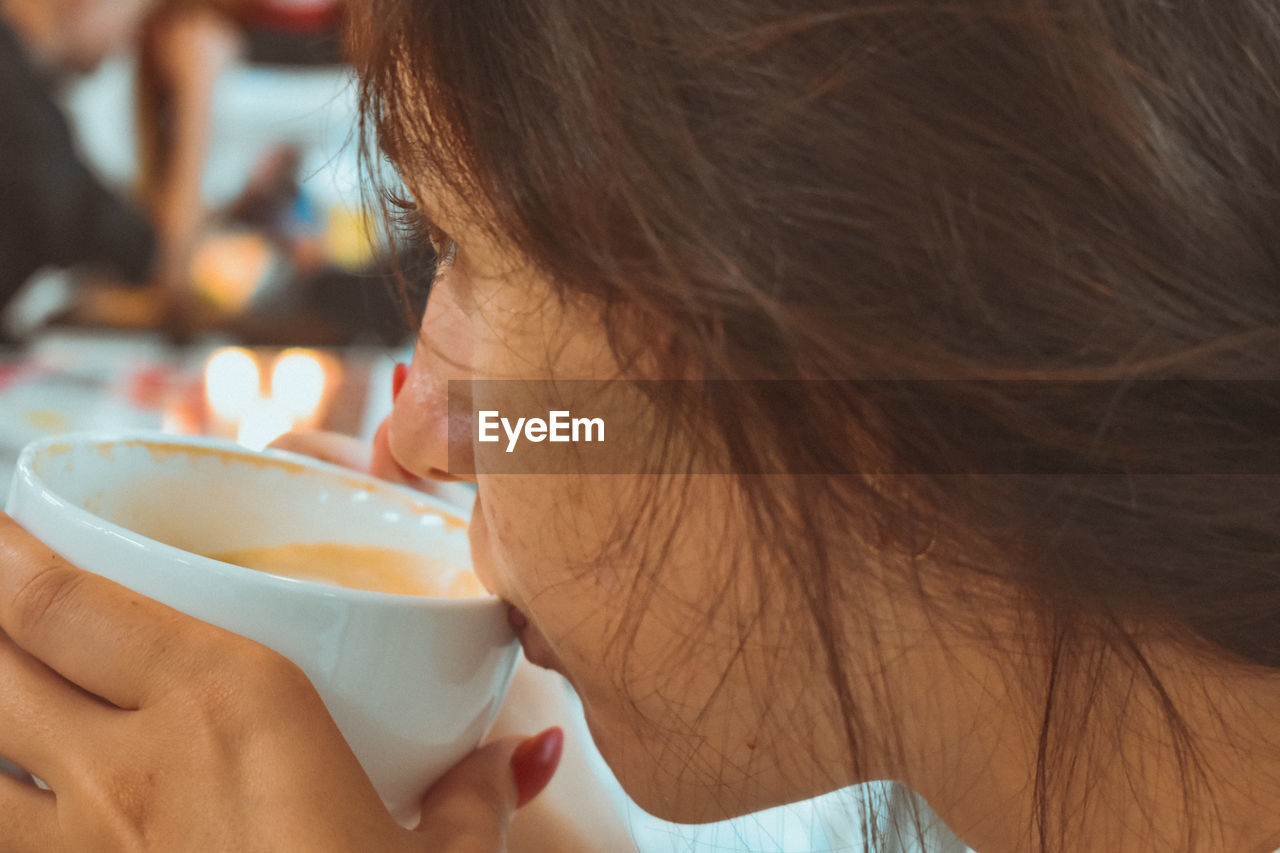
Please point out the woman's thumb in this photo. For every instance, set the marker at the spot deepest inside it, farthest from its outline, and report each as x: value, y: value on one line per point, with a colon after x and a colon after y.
x: 468, y: 810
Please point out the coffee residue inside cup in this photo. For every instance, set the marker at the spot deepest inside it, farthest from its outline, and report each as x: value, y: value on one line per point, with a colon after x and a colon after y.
x: 370, y: 567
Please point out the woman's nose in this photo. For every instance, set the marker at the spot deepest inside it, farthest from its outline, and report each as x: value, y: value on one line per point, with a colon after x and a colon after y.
x: 429, y: 432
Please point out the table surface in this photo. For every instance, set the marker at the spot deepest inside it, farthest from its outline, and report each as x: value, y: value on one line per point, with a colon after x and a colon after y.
x: 70, y: 381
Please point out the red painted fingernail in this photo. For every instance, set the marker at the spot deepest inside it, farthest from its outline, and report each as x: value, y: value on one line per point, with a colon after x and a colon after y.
x: 534, y: 763
x: 398, y: 376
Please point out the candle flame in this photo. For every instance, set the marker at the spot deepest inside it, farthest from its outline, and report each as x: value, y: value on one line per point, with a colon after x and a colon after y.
x: 298, y: 383
x: 231, y: 382
x: 233, y: 387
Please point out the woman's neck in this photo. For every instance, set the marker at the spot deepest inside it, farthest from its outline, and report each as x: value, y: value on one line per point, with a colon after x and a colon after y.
x: 1114, y: 773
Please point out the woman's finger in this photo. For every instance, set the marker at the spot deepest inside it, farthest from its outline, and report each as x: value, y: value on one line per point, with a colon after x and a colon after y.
x: 370, y: 458
x: 333, y: 447
x: 28, y: 818
x: 469, y: 809
x: 45, y: 721
x: 95, y: 633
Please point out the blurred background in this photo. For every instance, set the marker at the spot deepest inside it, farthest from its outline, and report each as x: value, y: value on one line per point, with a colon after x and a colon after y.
x: 183, y: 245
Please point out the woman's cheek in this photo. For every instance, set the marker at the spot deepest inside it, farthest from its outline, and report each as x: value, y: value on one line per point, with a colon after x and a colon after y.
x: 499, y: 543
x: 536, y: 541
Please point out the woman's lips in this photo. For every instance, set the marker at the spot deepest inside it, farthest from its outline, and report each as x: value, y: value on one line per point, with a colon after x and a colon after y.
x: 536, y: 648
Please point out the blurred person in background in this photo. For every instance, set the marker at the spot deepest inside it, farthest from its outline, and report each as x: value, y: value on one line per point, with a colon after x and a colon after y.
x: 196, y: 80
x: 186, y: 48
x: 56, y: 212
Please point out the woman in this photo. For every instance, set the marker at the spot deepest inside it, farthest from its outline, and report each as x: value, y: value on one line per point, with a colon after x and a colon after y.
x: 1021, y: 579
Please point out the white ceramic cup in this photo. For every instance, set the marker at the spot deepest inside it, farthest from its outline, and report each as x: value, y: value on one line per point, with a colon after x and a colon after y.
x: 412, y: 682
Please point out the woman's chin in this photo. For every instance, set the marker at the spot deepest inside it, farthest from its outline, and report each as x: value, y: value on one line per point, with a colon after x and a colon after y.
x: 536, y: 648
x: 670, y: 796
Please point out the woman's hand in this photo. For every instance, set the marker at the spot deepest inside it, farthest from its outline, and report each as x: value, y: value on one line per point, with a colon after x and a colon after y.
x: 350, y: 452
x: 156, y: 731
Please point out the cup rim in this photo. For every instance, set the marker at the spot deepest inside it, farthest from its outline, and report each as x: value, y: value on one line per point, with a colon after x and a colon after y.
x: 25, y: 473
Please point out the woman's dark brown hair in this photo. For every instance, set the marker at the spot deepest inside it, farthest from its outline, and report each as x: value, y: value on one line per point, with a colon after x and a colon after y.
x: 1068, y: 211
